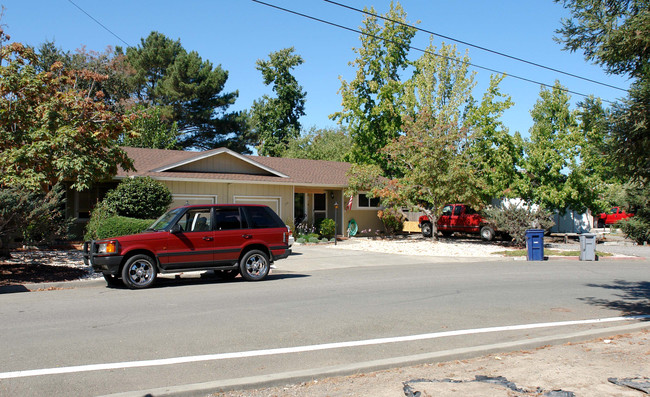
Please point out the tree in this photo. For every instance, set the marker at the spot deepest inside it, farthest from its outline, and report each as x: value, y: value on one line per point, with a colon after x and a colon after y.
x: 373, y: 101
x: 434, y: 167
x: 320, y: 144
x: 50, y: 131
x: 495, y: 155
x: 149, y: 129
x: 616, y: 35
x: 276, y: 120
x: 189, y: 90
x: 555, y: 176
x: 441, y: 85
x: 115, y: 87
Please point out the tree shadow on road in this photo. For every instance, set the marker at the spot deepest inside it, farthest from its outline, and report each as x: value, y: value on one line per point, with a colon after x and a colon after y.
x: 634, y: 297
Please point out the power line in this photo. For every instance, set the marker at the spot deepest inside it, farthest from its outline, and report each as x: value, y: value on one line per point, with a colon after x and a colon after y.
x: 424, y: 50
x: 99, y: 23
x: 478, y: 47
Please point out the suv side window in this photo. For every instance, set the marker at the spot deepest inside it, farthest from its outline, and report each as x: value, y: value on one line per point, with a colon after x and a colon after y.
x: 458, y: 209
x: 229, y: 219
x: 196, y: 220
x: 446, y: 210
x: 262, y: 217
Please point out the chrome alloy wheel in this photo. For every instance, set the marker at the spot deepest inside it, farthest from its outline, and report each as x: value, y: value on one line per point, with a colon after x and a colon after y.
x: 257, y: 265
x: 140, y: 273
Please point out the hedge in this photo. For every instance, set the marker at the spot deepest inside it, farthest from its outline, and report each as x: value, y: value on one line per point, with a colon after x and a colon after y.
x: 116, y: 225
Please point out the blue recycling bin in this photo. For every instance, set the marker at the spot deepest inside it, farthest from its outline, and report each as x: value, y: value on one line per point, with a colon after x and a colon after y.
x: 535, y: 244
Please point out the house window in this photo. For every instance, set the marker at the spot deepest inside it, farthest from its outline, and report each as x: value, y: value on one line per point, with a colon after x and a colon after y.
x: 368, y: 202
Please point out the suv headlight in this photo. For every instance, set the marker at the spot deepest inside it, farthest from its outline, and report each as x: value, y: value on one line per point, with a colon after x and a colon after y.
x: 108, y: 247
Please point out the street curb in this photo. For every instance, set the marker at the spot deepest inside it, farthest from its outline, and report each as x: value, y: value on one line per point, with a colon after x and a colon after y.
x: 270, y: 380
x: 34, y: 287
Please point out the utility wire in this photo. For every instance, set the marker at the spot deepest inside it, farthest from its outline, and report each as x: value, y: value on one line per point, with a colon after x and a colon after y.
x: 424, y: 51
x: 478, y: 47
x: 99, y: 23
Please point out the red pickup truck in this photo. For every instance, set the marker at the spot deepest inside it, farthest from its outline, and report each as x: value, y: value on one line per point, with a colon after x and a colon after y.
x: 458, y: 218
x: 612, y: 216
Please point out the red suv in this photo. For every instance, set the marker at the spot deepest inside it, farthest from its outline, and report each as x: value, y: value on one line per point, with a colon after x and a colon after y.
x: 229, y: 239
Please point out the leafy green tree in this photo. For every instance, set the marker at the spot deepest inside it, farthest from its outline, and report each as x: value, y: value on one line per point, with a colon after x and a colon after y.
x: 276, y: 120
x: 190, y: 91
x: 115, y: 86
x: 616, y: 35
x: 494, y: 154
x: 50, y: 131
x: 149, y: 129
x: 552, y: 154
x: 433, y: 165
x: 373, y: 101
x: 441, y: 85
x: 320, y: 144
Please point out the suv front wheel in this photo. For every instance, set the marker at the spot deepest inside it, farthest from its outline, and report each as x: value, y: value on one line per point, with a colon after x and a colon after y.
x: 254, y: 265
x: 139, y: 271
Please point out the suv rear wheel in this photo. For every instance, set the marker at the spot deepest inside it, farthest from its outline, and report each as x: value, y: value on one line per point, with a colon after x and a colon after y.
x: 139, y: 271
x: 254, y: 265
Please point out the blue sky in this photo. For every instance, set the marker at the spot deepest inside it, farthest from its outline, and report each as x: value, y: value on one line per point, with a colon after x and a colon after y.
x: 236, y: 33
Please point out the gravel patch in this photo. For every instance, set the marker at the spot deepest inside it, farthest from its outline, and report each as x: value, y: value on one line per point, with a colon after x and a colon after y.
x: 422, y: 247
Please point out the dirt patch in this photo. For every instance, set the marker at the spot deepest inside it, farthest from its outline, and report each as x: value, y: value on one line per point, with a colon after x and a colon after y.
x: 23, y: 273
x: 42, y: 266
x: 571, y: 369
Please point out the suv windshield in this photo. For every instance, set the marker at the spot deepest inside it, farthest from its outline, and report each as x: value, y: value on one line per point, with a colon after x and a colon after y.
x: 165, y: 220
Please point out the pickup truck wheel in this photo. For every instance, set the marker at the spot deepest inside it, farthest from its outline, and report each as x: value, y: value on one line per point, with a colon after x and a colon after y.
x: 487, y: 233
x: 139, y: 271
x: 601, y: 223
x: 426, y: 229
x: 254, y: 265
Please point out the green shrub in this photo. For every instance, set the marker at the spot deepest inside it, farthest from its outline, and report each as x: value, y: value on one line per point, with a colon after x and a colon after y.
x: 324, y: 240
x: 313, y: 240
x: 141, y: 198
x: 393, y: 220
x: 327, y: 228
x: 516, y: 219
x: 33, y: 217
x: 637, y: 228
x: 116, y: 225
x: 300, y: 240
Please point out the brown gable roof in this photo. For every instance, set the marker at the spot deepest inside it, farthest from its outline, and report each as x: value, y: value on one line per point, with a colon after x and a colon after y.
x: 149, y: 162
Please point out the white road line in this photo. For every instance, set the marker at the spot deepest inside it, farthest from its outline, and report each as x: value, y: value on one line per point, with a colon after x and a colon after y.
x: 301, y: 349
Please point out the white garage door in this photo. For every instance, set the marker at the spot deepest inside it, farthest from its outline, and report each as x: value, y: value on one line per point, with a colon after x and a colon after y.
x: 188, y: 199
x: 272, y: 202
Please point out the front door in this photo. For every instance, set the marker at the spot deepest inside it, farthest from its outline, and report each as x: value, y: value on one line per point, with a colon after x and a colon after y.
x: 192, y: 246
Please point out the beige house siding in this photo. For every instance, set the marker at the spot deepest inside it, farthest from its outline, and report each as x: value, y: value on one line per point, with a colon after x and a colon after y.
x: 229, y: 193
x: 367, y: 220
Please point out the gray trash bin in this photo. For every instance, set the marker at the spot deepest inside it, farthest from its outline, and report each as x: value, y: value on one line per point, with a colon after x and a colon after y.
x: 588, y: 247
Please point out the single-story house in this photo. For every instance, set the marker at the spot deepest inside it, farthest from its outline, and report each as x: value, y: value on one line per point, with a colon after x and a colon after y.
x: 296, y: 189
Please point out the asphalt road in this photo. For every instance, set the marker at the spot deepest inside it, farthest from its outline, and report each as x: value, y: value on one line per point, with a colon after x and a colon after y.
x: 380, y: 307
